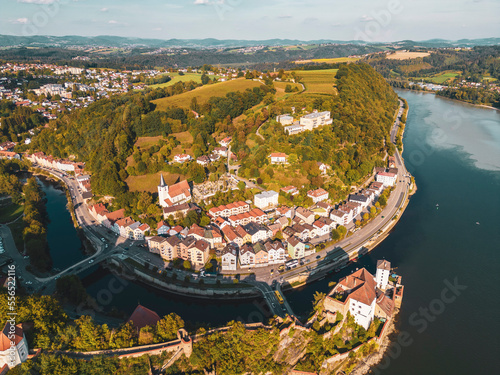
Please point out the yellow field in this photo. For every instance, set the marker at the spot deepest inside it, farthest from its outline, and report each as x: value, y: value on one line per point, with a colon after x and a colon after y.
x: 406, y: 55
x: 145, y: 142
x: 205, y: 92
x: 318, y: 81
x: 150, y: 182
x: 332, y: 60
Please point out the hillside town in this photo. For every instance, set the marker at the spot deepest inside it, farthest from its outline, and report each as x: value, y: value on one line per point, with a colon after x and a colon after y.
x: 242, y: 234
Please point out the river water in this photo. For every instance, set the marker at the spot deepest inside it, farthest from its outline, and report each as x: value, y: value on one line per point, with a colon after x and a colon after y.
x: 453, y: 150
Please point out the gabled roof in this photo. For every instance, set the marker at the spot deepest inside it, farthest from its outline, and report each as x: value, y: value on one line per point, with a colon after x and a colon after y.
x: 383, y: 264
x: 5, y: 338
x: 142, y: 317
x: 180, y: 188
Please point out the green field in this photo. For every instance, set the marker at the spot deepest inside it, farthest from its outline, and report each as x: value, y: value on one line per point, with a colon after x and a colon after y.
x: 196, y: 77
x: 332, y: 60
x: 150, y: 182
x: 205, y: 92
x: 318, y: 81
x: 280, y: 88
x: 442, y: 77
x: 9, y: 211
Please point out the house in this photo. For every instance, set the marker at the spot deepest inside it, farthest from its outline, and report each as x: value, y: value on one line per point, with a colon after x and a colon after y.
x: 382, y: 274
x: 257, y: 232
x: 321, y: 228
x: 247, y: 256
x: 221, y: 151
x: 140, y: 231
x: 199, y: 253
x: 170, y: 249
x: 362, y: 200
x: 246, y: 237
x: 232, y: 236
x: 112, y: 217
x: 210, y: 234
x: 261, y: 255
x: 267, y: 199
x: 175, y: 230
x: 276, y: 252
x: 305, y: 215
x: 97, y: 211
x: 13, y: 345
x: 179, y: 210
x: 321, y: 209
x: 328, y: 222
x: 9, y: 155
x: 225, y: 142
x: 340, y: 217
x: 173, y: 195
x: 290, y: 190
x: 184, y: 246
x: 220, y: 222
x: 229, y: 257
x: 315, y: 119
x: 203, y: 160
x: 157, y: 244
x: 182, y: 158
x: 298, y: 249
x: 286, y: 212
x: 162, y: 228
x: 254, y: 216
x: 318, y: 195
x: 285, y: 119
x: 121, y: 225
x: 386, y: 178
x: 278, y: 158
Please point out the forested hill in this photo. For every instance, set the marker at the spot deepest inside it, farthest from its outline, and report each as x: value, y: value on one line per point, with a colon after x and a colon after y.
x: 103, y: 135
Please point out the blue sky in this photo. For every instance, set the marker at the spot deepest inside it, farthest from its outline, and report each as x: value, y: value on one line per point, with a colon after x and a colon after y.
x: 372, y: 20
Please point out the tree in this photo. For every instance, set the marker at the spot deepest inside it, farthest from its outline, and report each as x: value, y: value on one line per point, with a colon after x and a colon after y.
x: 241, y: 185
x: 366, y: 216
x: 205, y: 79
x: 186, y: 265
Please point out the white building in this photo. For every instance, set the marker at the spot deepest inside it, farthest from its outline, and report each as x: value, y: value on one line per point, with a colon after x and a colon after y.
x: 229, y: 258
x: 315, y: 119
x: 285, y: 119
x: 382, y: 275
x: 318, y: 195
x: 182, y: 158
x: 266, y: 199
x: 247, y: 256
x: 294, y: 129
x: 278, y: 158
x: 13, y: 346
x: 387, y: 178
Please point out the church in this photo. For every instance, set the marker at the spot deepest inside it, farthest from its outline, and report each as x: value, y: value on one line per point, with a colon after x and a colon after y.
x: 173, y: 195
x: 13, y: 346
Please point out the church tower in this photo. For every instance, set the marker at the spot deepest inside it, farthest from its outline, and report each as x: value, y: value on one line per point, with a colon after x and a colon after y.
x: 382, y: 275
x: 163, y: 192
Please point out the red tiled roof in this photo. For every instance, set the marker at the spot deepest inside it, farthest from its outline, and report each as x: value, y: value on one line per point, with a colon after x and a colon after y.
x: 142, y: 317
x: 6, y: 332
x: 179, y: 189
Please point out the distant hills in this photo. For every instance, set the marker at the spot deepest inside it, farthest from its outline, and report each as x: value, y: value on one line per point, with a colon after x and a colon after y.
x: 127, y: 42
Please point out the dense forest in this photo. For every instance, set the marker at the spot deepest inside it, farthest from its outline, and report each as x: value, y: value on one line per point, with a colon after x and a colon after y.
x: 362, y: 113
x: 14, y: 121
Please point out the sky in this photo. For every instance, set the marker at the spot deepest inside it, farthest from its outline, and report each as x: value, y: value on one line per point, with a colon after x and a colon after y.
x: 368, y: 20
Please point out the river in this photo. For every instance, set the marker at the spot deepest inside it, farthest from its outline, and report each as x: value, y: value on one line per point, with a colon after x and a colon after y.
x: 453, y: 150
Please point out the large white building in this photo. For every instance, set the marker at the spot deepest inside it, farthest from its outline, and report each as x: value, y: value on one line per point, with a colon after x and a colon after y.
x: 315, y: 119
x: 13, y: 345
x: 266, y: 199
x: 172, y: 195
x: 387, y: 178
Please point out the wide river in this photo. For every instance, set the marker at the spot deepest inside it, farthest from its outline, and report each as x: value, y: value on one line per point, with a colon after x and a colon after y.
x: 448, y: 235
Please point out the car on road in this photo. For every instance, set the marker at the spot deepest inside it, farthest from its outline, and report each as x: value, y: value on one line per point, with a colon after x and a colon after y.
x: 148, y: 259
x: 273, y: 305
x: 102, y: 239
x: 91, y: 261
x: 318, y: 256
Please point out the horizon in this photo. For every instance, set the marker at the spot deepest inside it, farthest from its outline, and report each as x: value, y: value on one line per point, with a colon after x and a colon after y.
x: 376, y: 21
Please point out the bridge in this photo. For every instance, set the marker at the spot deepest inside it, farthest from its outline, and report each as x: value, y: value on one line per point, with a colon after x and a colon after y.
x: 275, y: 307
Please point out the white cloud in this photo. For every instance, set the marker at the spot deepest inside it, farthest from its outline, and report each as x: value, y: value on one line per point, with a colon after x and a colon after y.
x: 202, y: 2
x: 37, y: 1
x: 113, y: 22
x: 22, y: 20
x: 104, y: 9
x: 365, y: 18
x: 157, y: 29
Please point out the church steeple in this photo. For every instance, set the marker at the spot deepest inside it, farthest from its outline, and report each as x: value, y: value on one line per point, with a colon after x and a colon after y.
x: 162, y: 181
